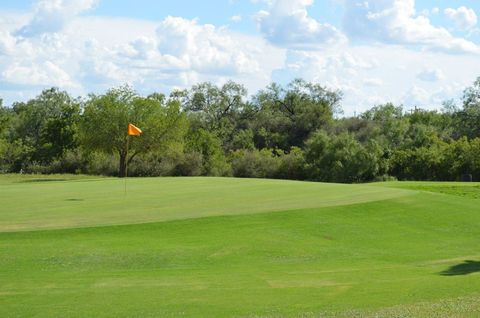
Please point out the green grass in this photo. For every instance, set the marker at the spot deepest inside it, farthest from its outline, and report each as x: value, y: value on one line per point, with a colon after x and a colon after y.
x: 471, y: 190
x: 30, y: 203
x: 213, y: 247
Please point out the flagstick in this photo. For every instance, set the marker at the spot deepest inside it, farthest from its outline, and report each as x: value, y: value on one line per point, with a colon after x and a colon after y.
x: 126, y: 165
x: 132, y: 131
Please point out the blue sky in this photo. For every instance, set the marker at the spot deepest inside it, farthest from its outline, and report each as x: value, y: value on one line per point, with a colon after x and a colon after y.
x: 415, y: 53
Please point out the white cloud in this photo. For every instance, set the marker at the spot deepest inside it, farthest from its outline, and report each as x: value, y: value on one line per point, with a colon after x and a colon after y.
x: 373, y: 82
x: 287, y: 24
x: 236, y: 18
x: 416, y: 96
x: 7, y: 43
x: 86, y: 54
x: 47, y: 73
x: 427, y: 12
x: 178, y: 52
x: 388, y: 79
x: 91, y: 54
x: 464, y: 18
x: 205, y: 48
x: 396, y: 22
x: 431, y: 75
x: 142, y: 48
x: 52, y: 15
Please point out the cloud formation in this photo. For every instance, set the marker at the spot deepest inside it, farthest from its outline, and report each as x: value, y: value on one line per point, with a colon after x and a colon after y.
x: 396, y: 22
x: 52, y: 15
x: 464, y: 18
x: 287, y: 24
x: 392, y: 53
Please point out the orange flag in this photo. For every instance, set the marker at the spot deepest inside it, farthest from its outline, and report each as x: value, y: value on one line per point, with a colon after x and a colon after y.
x: 134, y: 130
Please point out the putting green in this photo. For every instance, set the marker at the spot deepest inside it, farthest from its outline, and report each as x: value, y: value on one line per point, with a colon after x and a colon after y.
x: 59, y: 202
x: 213, y: 247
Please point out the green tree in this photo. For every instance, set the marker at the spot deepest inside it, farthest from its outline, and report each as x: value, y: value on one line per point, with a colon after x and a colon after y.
x: 255, y: 163
x: 468, y: 119
x: 106, y: 117
x: 214, y: 108
x: 292, y: 165
x: 47, y: 124
x: 209, y: 146
x: 295, y: 112
x: 341, y: 158
x: 426, y: 162
x: 391, y: 123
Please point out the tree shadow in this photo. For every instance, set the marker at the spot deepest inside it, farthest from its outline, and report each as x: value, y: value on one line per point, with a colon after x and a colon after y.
x: 465, y: 268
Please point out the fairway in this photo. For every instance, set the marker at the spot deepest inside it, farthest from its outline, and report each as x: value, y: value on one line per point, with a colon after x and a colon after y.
x: 225, y: 247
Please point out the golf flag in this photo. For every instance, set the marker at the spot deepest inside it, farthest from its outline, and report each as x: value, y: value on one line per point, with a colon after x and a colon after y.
x: 134, y: 130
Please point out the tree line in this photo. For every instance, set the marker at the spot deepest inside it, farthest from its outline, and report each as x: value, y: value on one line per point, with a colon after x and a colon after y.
x: 294, y: 131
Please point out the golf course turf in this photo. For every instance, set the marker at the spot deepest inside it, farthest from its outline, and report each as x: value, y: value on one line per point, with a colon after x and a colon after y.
x: 77, y: 246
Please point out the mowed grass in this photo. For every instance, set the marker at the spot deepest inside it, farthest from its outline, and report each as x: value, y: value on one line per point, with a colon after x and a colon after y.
x: 32, y: 202
x: 255, y: 248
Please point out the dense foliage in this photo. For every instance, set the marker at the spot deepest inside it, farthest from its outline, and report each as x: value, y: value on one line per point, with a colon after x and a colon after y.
x: 292, y: 132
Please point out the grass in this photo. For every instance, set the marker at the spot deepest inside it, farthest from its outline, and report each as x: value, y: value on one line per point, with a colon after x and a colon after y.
x: 470, y: 190
x: 213, y: 247
x: 31, y: 203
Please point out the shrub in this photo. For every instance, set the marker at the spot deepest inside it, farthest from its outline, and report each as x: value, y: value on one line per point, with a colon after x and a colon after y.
x: 255, y: 163
x: 292, y: 165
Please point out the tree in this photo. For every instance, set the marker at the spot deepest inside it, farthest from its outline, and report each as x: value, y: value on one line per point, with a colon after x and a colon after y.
x: 423, y: 163
x: 47, y: 124
x: 392, y: 124
x: 106, y: 117
x: 209, y: 146
x: 6, y: 117
x: 214, y: 108
x: 340, y: 158
x: 295, y: 112
x: 468, y: 119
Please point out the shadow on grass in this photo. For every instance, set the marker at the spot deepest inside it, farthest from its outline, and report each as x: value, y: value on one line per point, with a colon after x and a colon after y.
x: 43, y: 180
x: 75, y: 200
x: 465, y: 268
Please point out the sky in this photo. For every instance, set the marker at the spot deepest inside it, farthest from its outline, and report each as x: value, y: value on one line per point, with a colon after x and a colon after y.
x: 414, y: 53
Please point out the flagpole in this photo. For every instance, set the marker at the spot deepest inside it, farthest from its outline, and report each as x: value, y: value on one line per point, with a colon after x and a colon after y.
x: 132, y: 131
x: 126, y: 165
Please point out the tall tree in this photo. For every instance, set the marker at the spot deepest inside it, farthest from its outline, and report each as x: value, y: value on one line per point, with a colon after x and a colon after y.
x: 47, y: 124
x: 294, y: 112
x: 469, y: 117
x: 106, y: 118
x: 215, y: 108
x: 340, y: 158
x: 216, y: 105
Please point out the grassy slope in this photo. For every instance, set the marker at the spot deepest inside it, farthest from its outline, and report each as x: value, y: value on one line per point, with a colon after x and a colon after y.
x: 33, y: 203
x: 378, y: 258
x: 470, y: 190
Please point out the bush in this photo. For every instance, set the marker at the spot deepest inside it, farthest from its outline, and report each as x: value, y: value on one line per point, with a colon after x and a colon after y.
x: 102, y: 164
x: 423, y: 163
x: 385, y: 178
x: 255, y: 163
x: 156, y: 163
x: 214, y: 162
x: 14, y: 156
x: 73, y: 161
x: 191, y: 164
x: 292, y: 165
x: 341, y: 158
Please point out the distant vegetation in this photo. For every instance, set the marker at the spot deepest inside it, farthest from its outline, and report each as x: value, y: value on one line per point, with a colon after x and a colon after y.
x: 292, y: 132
